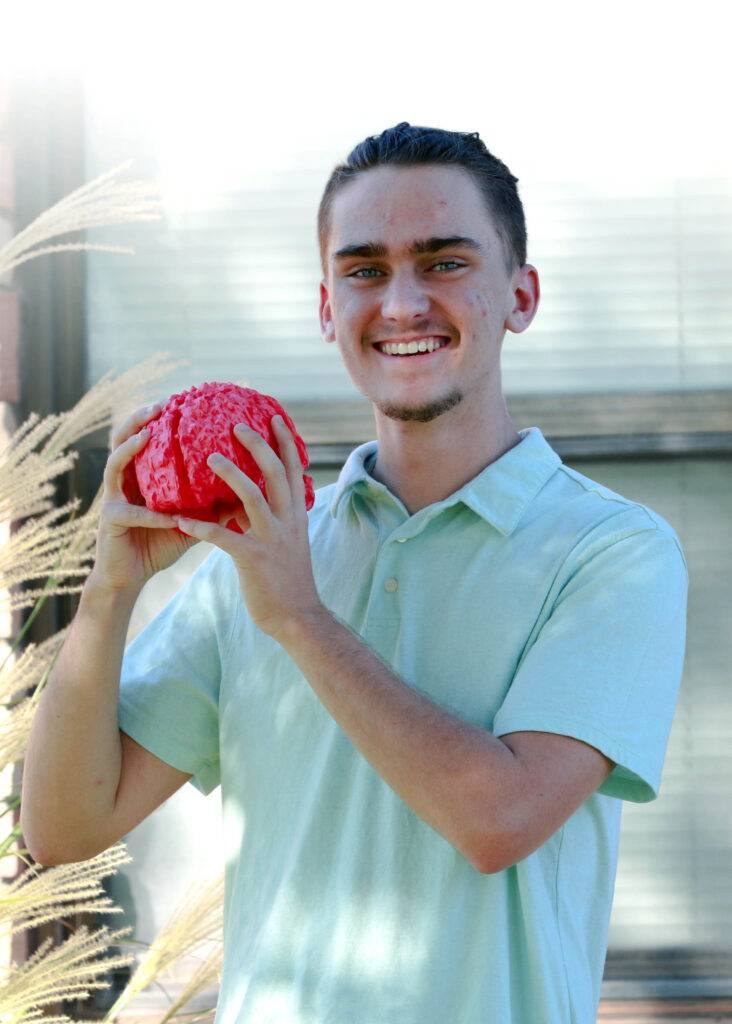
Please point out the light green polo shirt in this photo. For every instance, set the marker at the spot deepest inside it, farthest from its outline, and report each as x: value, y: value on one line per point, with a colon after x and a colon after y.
x: 531, y: 598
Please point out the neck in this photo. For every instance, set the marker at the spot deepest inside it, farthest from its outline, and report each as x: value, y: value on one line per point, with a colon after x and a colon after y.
x: 422, y: 463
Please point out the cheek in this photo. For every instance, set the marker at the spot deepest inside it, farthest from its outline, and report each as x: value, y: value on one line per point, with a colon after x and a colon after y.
x: 480, y: 309
x: 352, y: 309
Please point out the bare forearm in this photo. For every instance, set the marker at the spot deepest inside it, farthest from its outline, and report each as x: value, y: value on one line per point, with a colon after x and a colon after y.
x: 454, y: 775
x: 73, y: 761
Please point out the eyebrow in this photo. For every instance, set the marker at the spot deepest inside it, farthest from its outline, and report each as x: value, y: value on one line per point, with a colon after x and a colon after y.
x: 376, y: 250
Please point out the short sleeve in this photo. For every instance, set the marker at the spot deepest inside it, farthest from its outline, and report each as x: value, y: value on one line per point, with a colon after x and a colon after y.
x: 606, y: 665
x: 171, y: 674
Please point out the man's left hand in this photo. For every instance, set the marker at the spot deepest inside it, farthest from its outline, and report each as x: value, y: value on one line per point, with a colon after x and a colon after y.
x: 273, y: 556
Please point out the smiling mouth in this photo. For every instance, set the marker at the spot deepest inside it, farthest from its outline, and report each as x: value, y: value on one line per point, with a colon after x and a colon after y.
x: 417, y: 349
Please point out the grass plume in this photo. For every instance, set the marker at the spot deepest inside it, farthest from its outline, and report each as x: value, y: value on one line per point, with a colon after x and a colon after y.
x: 101, y: 202
x: 198, y: 919
x: 54, y: 544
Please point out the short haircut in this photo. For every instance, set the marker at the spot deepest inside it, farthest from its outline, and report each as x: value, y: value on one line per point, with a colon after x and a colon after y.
x: 408, y: 145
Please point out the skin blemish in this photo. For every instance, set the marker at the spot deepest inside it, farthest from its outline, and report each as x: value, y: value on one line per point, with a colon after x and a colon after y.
x: 480, y: 305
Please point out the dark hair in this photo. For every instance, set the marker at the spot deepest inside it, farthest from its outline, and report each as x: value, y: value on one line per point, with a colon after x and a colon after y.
x: 408, y: 145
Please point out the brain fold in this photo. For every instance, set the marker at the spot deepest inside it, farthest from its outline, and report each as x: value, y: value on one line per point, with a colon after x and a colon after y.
x: 170, y: 473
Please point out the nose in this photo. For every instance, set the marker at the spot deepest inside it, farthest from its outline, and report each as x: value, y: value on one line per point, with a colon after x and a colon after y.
x: 404, y: 298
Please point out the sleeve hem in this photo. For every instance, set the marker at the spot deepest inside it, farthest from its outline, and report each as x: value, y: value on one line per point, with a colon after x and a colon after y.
x: 146, y: 732
x: 631, y: 779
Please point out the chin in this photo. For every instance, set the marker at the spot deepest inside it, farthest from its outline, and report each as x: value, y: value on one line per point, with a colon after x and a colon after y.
x: 421, y: 413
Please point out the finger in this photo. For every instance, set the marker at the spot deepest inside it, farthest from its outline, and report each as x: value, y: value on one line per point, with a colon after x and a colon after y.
x: 248, y: 493
x: 132, y: 424
x: 279, y: 495
x: 291, y: 457
x: 225, y: 539
x: 119, y: 459
x: 121, y: 513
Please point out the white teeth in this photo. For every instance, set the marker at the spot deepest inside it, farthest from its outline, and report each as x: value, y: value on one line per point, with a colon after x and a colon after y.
x: 402, y: 348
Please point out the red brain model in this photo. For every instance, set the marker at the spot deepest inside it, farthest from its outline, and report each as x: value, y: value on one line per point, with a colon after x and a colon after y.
x: 170, y: 473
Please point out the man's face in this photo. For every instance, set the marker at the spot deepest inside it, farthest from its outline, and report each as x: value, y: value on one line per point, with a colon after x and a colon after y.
x: 413, y: 255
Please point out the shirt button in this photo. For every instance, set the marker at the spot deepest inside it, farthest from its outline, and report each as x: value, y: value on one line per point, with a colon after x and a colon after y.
x: 391, y: 585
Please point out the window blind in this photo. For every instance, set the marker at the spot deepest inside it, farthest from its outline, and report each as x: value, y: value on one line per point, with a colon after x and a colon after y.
x: 634, y: 293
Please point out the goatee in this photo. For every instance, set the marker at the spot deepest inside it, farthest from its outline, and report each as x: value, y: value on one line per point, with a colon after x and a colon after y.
x: 421, y: 413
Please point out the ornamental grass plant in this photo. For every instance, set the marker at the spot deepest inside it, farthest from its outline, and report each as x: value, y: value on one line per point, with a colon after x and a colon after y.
x: 47, y: 550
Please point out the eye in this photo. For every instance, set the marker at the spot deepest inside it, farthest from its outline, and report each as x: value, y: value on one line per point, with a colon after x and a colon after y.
x: 368, y: 273
x: 453, y: 264
x: 364, y: 270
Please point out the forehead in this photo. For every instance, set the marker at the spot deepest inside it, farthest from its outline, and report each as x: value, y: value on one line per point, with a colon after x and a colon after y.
x: 396, y: 205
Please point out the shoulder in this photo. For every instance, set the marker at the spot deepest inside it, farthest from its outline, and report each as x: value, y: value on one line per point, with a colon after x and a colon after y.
x: 586, y: 527
x: 604, y: 517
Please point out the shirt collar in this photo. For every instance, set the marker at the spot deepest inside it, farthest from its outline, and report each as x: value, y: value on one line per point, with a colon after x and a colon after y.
x: 500, y: 493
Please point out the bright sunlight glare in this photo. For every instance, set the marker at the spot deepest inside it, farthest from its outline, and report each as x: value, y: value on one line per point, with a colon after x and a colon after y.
x: 561, y: 91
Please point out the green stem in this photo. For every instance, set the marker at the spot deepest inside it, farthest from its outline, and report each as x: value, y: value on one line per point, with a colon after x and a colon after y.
x: 50, y: 582
x: 12, y: 802
x: 9, y: 840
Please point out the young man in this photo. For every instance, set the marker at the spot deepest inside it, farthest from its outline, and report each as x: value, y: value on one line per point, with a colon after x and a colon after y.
x: 425, y: 700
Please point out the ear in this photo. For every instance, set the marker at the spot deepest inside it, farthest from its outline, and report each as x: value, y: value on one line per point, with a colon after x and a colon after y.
x: 327, y: 327
x: 526, y: 299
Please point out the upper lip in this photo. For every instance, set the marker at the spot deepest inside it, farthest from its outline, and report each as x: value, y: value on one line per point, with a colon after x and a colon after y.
x: 413, y: 337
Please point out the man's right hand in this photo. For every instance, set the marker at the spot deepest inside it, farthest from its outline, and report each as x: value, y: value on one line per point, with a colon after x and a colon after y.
x: 133, y: 542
